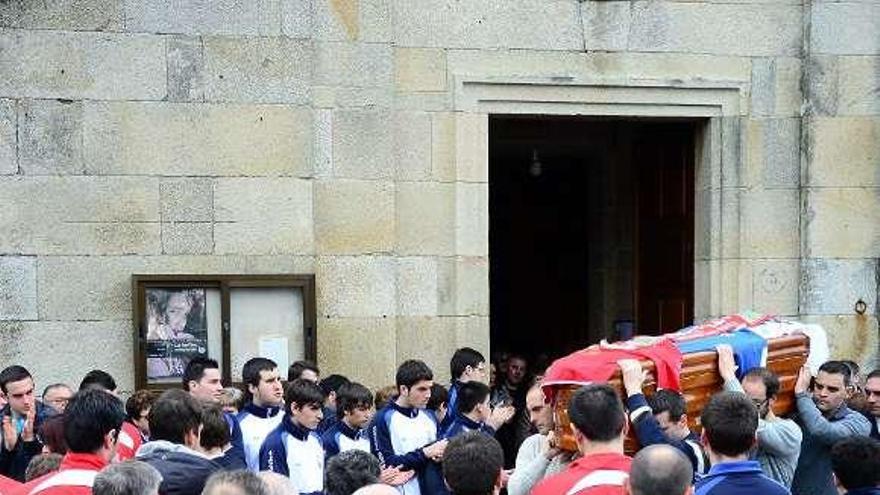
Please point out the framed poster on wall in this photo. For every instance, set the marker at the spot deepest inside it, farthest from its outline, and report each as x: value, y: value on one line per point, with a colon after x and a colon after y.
x: 229, y: 318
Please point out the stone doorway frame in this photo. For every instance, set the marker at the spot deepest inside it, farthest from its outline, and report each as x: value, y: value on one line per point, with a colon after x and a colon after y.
x: 717, y: 107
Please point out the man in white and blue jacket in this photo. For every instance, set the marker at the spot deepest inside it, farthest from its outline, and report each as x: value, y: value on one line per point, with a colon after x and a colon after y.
x: 474, y: 412
x: 354, y: 408
x: 466, y: 365
x: 294, y: 448
x: 404, y: 434
x: 263, y: 411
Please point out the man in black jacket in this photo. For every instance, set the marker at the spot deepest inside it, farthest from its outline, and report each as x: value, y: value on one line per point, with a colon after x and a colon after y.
x: 175, y: 424
x: 21, y: 419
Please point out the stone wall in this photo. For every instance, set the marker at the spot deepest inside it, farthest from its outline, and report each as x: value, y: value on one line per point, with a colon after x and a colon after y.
x: 323, y: 136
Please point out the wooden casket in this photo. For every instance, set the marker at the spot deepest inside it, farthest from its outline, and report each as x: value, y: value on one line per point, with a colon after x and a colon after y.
x: 699, y: 380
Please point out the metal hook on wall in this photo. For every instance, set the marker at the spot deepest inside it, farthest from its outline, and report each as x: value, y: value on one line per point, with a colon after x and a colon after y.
x: 861, y: 307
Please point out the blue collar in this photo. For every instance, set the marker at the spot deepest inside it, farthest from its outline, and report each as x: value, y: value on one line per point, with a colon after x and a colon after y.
x: 349, y: 431
x: 261, y: 412
x: 468, y: 422
x: 734, y: 467
x: 410, y: 412
x: 295, y: 430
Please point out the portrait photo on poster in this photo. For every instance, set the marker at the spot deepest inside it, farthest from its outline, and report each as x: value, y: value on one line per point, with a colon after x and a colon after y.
x: 177, y: 330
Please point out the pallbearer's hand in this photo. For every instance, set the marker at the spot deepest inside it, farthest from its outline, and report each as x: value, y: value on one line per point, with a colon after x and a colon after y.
x: 633, y: 375
x: 802, y: 385
x: 726, y: 364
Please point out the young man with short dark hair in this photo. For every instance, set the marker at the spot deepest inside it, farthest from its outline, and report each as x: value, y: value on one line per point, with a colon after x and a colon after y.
x: 349, y: 471
x: 474, y: 413
x: 872, y: 401
x: 404, y: 435
x: 856, y: 465
x: 779, y: 439
x: 825, y: 420
x: 730, y: 421
x: 264, y: 408
x: 304, y: 369
x: 472, y: 464
x: 22, y: 417
x: 662, y: 418
x: 98, y: 379
x: 330, y: 386
x: 91, y: 423
x: 599, y: 425
x: 174, y: 448
x: 466, y: 365
x: 354, y: 409
x: 294, y: 448
x: 202, y: 379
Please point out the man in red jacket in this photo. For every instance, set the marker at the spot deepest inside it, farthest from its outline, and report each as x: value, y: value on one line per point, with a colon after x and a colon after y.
x: 599, y: 425
x: 91, y: 425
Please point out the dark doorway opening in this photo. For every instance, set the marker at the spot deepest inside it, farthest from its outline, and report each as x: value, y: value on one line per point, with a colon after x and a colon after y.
x: 590, y: 232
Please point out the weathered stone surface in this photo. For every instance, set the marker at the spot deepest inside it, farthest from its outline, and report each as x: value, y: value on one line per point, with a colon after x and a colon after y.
x: 187, y: 238
x: 259, y: 70
x: 223, y: 17
x: 843, y: 223
x: 858, y: 86
x: 770, y: 223
x: 606, y: 25
x: 338, y: 98
x: 419, y: 69
x: 831, y: 286
x: 733, y: 149
x: 775, y: 284
x: 416, y: 286
x: 489, y: 24
x: 821, y: 76
x: 192, y: 139
x: 44, y: 64
x: 99, y: 287
x: 613, y: 66
x: 280, y: 264
x: 263, y: 216
x: 845, y: 28
x: 187, y: 199
x: 18, y: 288
x: 776, y: 87
x: 359, y: 347
x: 472, y: 219
x: 354, y: 217
x: 472, y: 147
x: 185, y: 63
x: 38, y: 344
x: 732, y: 236
x: 412, y: 145
x: 354, y: 64
x: 362, y: 286
x: 431, y: 340
x: 473, y: 332
x: 425, y: 218
x: 472, y: 286
x: 362, y: 143
x: 443, y: 146
x: 845, y: 152
x: 8, y: 137
x: 322, y: 143
x: 850, y: 336
x: 446, y: 289
x: 773, y: 158
x: 297, y: 18
x: 716, y: 28
x: 51, y: 137
x: 74, y: 15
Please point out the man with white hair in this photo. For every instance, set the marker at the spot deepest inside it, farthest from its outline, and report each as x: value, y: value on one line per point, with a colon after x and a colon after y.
x: 127, y: 478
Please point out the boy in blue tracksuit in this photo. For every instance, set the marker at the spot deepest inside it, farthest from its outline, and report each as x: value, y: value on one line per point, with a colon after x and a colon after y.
x: 294, y: 448
x: 404, y: 434
x: 466, y: 364
x: 730, y: 423
x: 473, y: 411
x: 354, y: 409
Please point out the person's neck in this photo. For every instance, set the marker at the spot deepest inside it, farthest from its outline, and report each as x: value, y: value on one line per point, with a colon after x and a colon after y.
x: 402, y: 402
x: 614, y: 446
x: 473, y: 416
x: 264, y: 405
x: 716, y: 458
x: 347, y: 423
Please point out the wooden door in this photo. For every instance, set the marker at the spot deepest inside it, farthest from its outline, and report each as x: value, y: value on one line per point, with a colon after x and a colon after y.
x: 664, y: 162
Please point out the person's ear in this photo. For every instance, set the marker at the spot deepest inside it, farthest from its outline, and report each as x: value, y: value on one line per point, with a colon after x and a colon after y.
x: 331, y: 396
x: 110, y: 439
x: 683, y: 421
x: 704, y: 438
x: 499, y: 480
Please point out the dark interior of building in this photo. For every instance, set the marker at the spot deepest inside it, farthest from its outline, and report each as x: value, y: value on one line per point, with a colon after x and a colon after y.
x: 591, y: 230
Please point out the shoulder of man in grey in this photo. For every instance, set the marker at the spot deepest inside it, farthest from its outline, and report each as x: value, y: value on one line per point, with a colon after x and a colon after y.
x: 238, y: 482
x: 127, y: 478
x: 660, y: 470
x: 376, y: 489
x: 277, y: 484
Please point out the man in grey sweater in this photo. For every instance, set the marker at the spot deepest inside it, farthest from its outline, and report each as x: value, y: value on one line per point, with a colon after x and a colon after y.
x: 825, y: 419
x: 779, y: 439
x: 538, y: 457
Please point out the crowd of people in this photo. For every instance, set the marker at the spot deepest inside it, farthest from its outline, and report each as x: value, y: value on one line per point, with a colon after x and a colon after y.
x: 480, y: 436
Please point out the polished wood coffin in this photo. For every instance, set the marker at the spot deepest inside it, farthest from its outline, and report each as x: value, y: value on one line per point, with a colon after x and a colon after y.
x: 699, y: 380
